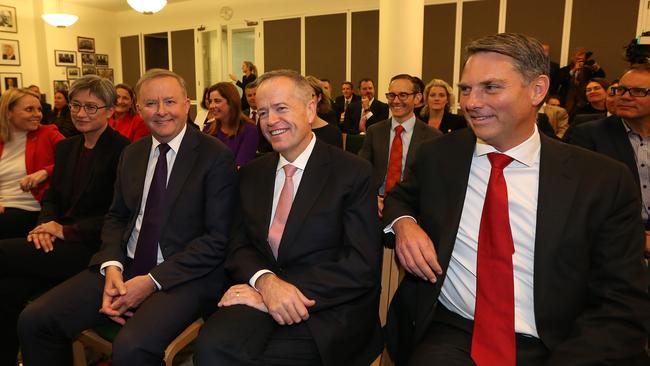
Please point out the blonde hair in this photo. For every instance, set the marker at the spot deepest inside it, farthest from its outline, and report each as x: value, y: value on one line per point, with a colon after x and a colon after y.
x: 7, y: 102
x: 424, y: 113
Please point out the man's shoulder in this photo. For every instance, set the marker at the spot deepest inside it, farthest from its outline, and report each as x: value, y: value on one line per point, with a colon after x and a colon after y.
x: 579, y: 159
x: 599, y: 126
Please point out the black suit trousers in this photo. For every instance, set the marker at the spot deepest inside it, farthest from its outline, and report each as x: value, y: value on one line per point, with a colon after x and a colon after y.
x: 48, y: 325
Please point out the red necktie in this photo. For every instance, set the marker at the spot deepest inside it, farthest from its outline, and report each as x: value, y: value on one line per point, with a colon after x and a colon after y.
x: 282, y: 209
x: 394, y: 172
x: 254, y: 116
x: 493, y: 339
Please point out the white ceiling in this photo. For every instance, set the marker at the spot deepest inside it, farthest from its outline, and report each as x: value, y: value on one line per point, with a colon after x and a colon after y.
x: 110, y: 5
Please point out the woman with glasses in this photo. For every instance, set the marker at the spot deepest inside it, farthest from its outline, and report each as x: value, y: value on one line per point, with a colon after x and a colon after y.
x: 74, y: 206
x: 26, y: 161
x: 230, y: 125
x: 250, y: 74
x: 125, y: 119
x: 437, y: 109
x: 60, y: 114
x: 324, y: 131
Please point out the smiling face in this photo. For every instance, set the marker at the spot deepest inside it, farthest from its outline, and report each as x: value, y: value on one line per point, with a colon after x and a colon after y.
x: 218, y: 105
x: 163, y: 106
x: 346, y: 90
x: 26, y: 114
x: 498, y: 103
x: 89, y: 123
x: 595, y: 93
x: 285, y: 118
x: 437, y: 99
x: 402, y: 110
x: 124, y: 102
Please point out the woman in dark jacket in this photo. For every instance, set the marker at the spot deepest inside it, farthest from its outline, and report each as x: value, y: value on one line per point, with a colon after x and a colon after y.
x: 439, y: 99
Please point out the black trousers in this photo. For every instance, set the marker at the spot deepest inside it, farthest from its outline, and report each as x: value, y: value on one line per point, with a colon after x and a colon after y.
x: 449, y: 339
x: 47, y: 326
x: 16, y: 223
x: 26, y: 272
x: 241, y: 335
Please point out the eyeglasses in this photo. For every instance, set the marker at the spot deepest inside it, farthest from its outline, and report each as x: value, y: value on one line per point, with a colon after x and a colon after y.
x: 635, y: 92
x: 611, y: 91
x: 90, y: 109
x: 402, y: 96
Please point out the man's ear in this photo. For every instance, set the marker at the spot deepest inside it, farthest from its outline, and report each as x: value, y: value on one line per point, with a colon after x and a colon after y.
x: 539, y: 88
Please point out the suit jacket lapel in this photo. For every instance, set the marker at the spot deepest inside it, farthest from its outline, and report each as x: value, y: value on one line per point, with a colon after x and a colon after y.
x: 383, y: 136
x: 416, y: 139
x: 264, y: 198
x: 312, y: 183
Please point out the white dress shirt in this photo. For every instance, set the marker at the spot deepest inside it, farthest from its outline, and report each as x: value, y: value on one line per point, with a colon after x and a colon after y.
x: 174, y: 145
x: 300, y: 163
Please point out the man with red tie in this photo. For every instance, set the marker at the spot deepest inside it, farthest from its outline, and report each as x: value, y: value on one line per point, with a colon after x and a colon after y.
x: 390, y: 145
x: 305, y: 253
x: 520, y: 250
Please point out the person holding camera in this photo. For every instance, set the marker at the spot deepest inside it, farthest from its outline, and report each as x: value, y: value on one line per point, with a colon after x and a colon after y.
x: 574, y: 77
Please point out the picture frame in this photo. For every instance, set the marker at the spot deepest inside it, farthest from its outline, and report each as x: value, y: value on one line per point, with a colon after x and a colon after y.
x: 106, y: 72
x: 65, y: 58
x: 85, y: 44
x: 8, y: 19
x: 88, y: 70
x: 61, y: 85
x: 10, y: 80
x: 73, y: 73
x: 101, y: 60
x: 9, y: 52
x: 87, y: 59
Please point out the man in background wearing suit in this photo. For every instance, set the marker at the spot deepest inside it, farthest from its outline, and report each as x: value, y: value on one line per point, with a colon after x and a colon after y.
x: 163, y: 241
x: 526, y: 250
x: 343, y: 101
x: 305, y: 253
x: 364, y: 113
x: 390, y: 145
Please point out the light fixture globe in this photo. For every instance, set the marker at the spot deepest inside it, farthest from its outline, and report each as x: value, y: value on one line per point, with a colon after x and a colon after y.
x: 60, y: 20
x: 147, y: 6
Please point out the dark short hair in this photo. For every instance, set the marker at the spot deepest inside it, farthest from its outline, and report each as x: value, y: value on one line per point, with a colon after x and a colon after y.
x: 366, y: 80
x: 414, y: 85
x: 348, y: 83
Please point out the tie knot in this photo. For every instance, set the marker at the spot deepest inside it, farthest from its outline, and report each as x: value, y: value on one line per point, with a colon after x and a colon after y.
x: 499, y: 161
x: 399, y: 129
x: 163, y: 148
x: 289, y: 170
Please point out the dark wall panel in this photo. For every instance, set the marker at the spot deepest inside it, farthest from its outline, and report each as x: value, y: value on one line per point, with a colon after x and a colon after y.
x: 540, y: 19
x: 130, y: 49
x: 365, y: 46
x: 325, y: 48
x: 604, y: 27
x: 282, y: 44
x: 183, y: 58
x: 156, y: 51
x: 480, y: 18
x: 438, y: 48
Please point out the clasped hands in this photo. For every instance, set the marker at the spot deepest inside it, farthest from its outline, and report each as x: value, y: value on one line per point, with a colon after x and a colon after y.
x: 44, y: 235
x: 282, y: 300
x: 120, y: 298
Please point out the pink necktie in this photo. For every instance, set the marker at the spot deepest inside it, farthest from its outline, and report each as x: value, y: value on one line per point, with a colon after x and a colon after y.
x: 282, y: 210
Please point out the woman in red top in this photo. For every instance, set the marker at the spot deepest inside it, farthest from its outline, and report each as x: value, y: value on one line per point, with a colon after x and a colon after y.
x: 126, y: 120
x: 26, y: 160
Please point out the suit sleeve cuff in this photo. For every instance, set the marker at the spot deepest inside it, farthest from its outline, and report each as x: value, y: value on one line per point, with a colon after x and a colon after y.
x: 389, y: 228
x: 257, y: 275
x: 102, y: 268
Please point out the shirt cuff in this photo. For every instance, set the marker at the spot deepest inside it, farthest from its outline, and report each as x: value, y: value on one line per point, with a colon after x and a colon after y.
x: 156, y: 282
x: 389, y: 228
x: 257, y: 275
x: 102, y: 268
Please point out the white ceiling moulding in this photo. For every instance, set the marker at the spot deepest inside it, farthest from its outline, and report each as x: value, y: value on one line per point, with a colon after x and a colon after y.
x: 147, y: 7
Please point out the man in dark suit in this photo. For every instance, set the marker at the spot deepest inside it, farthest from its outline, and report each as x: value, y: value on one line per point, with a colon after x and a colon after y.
x: 343, y: 101
x: 306, y: 269
x: 381, y: 138
x: 364, y: 113
x: 163, y: 241
x: 625, y: 137
x: 526, y: 250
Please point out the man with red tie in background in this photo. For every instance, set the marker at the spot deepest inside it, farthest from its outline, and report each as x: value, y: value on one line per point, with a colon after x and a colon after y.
x: 521, y: 250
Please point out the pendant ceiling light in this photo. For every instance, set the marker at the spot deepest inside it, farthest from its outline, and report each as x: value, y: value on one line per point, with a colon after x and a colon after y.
x: 147, y: 6
x: 59, y: 20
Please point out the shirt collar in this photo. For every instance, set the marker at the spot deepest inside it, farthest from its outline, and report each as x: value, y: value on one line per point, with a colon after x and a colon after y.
x: 174, y: 144
x: 408, y: 125
x: 301, y: 160
x: 527, y: 153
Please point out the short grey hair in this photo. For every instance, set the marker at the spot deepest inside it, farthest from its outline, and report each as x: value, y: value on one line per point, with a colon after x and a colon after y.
x: 157, y: 74
x: 100, y: 87
x: 303, y: 89
x: 527, y: 52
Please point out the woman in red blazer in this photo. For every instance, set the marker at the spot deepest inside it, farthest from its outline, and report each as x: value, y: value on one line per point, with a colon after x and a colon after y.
x: 26, y: 160
x: 125, y: 119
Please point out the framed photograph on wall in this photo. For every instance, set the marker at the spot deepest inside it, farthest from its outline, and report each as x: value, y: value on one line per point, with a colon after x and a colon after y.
x: 61, y: 85
x: 87, y: 59
x: 10, y: 52
x: 88, y: 70
x: 10, y: 80
x: 8, y: 21
x: 73, y: 73
x: 85, y: 44
x: 101, y: 60
x: 105, y: 73
x: 65, y: 58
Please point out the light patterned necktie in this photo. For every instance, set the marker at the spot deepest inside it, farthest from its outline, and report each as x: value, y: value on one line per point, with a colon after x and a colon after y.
x: 282, y: 210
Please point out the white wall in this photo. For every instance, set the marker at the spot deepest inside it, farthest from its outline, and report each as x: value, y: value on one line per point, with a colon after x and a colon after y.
x: 26, y: 37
